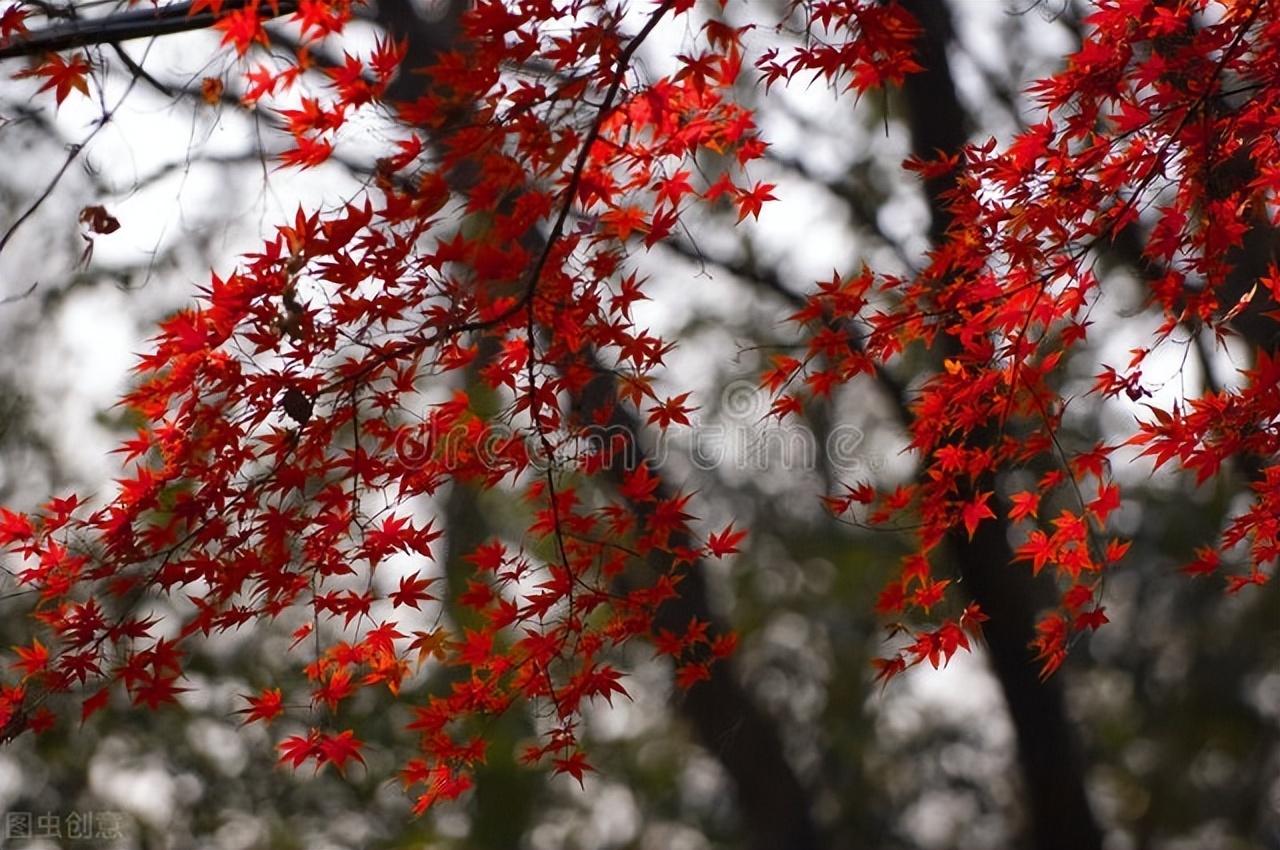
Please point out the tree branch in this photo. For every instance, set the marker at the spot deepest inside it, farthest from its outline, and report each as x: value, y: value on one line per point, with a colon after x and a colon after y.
x: 135, y: 23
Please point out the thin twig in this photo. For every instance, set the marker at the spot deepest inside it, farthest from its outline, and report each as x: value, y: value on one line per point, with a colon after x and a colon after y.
x: 72, y: 153
x: 139, y: 71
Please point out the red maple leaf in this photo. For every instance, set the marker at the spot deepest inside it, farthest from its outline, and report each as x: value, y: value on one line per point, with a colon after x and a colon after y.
x: 412, y: 591
x: 61, y: 75
x: 296, y: 749
x: 266, y: 706
x: 690, y: 673
x: 32, y: 659
x: 575, y: 765
x: 640, y: 485
x: 307, y: 152
x: 14, y: 527
x: 242, y: 28
x: 975, y: 511
x: 726, y: 542
x: 673, y: 410
x: 751, y: 201
x: 13, y: 22
x: 1024, y: 505
x: 340, y: 748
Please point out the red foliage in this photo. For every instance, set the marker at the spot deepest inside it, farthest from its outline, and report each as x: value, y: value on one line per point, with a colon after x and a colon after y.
x: 61, y: 74
x: 291, y: 394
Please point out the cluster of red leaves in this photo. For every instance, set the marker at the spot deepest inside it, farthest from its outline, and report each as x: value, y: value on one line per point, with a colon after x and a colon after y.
x: 1166, y: 105
x: 851, y: 45
x: 290, y: 442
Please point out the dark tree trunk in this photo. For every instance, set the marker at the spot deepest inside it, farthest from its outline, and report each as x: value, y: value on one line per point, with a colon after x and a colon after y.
x: 1051, y: 765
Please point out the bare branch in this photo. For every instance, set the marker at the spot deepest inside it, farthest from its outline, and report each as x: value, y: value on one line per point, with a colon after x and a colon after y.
x: 139, y: 71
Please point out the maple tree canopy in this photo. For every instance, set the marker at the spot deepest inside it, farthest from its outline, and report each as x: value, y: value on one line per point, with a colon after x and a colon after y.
x: 292, y: 413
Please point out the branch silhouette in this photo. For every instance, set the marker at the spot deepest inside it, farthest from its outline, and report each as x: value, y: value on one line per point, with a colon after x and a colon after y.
x: 135, y: 23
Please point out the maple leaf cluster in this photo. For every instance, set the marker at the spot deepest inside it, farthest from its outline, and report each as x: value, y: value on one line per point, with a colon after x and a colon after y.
x: 1145, y: 115
x: 271, y: 480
